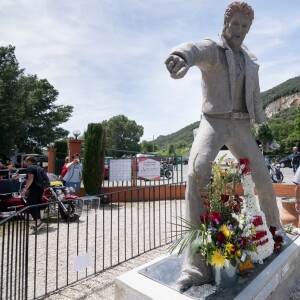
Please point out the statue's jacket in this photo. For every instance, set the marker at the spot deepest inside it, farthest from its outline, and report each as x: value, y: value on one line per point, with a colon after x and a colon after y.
x: 216, y: 62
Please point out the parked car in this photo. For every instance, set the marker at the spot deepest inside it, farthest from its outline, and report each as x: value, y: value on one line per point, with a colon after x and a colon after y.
x: 185, y: 160
x: 42, y: 160
x: 178, y: 160
x: 286, y: 161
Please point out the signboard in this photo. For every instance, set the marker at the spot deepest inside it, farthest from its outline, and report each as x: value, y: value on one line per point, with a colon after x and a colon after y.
x: 149, y: 168
x: 82, y: 261
x: 120, y: 169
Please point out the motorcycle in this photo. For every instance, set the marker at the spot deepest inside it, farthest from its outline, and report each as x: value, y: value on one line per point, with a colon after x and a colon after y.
x: 273, y: 174
x: 166, y: 170
x: 10, y: 199
x: 60, y: 199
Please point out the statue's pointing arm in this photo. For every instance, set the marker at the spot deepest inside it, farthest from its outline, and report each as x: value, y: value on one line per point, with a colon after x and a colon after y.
x: 187, y: 55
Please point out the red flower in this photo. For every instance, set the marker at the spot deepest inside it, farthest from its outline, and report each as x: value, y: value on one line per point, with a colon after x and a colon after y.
x: 243, y: 242
x: 224, y: 198
x: 257, y: 220
x: 246, y: 163
x: 207, y: 204
x: 221, y: 238
x: 273, y: 230
x: 237, y: 198
x: 204, y: 218
x: 236, y: 208
x: 215, y: 216
x: 278, y: 239
x: 258, y: 235
x: 236, y: 248
x: 203, y: 197
x: 277, y: 247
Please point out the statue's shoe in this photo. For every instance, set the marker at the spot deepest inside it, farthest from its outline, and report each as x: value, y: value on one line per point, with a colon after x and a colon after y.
x: 184, y: 282
x: 187, y: 280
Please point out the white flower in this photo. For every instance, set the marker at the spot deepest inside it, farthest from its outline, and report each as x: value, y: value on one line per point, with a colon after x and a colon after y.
x: 235, y: 216
x: 247, y: 233
x: 209, y: 239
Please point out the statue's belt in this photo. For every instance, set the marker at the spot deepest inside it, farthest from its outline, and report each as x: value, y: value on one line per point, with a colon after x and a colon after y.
x: 230, y: 115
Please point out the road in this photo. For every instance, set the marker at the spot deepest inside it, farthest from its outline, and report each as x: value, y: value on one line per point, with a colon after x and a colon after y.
x: 287, y: 173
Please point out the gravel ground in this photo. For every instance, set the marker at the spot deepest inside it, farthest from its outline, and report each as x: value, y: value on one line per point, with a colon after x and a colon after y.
x: 102, y: 286
x: 110, y: 235
x: 118, y: 232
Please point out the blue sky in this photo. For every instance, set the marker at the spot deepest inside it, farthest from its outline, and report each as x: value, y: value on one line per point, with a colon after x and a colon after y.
x: 106, y: 57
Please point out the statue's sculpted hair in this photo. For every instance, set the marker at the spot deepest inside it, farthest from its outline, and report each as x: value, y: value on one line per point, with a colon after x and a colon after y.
x: 241, y: 7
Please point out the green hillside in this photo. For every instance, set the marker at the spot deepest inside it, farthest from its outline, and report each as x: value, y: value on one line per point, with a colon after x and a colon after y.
x: 185, y: 134
x: 286, y: 88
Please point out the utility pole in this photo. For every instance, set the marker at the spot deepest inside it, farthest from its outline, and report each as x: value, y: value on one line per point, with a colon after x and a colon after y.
x: 153, y: 144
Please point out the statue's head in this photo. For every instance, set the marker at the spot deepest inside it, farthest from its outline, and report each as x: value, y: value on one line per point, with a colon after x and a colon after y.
x: 237, y: 21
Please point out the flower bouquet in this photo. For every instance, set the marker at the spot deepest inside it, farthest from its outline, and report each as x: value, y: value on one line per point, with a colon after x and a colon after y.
x: 224, y: 233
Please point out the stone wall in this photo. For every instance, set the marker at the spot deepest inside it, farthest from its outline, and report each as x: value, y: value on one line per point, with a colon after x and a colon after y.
x: 282, y: 103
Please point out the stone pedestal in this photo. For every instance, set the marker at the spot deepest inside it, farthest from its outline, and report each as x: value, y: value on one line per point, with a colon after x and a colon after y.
x: 273, y: 280
x: 51, y: 160
x: 74, y: 148
x: 288, y: 213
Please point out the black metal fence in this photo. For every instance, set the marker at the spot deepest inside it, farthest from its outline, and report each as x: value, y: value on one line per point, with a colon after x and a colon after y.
x: 59, y: 162
x: 34, y: 264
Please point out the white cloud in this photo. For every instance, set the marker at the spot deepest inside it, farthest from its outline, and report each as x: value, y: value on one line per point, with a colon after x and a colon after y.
x: 106, y: 57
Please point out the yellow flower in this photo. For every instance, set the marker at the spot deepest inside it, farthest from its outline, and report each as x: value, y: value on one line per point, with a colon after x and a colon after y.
x: 238, y: 254
x: 225, y: 230
x: 217, y: 259
x: 229, y: 247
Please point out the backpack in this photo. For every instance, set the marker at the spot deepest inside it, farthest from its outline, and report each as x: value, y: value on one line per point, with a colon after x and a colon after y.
x: 42, y: 179
x: 64, y: 171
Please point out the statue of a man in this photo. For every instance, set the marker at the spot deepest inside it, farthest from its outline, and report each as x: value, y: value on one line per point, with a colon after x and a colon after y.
x: 231, y: 98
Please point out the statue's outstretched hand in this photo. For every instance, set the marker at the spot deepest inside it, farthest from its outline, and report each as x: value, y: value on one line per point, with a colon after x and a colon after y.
x: 176, y: 66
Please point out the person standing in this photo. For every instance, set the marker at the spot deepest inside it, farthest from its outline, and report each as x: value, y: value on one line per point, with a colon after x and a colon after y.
x: 64, y: 170
x: 296, y: 180
x: 278, y: 173
x: 2, y: 165
x: 74, y: 173
x: 295, y: 159
x: 32, y: 192
x: 231, y: 98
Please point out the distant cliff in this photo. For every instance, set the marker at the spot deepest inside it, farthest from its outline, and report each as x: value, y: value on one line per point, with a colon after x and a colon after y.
x: 287, y: 88
x: 282, y: 103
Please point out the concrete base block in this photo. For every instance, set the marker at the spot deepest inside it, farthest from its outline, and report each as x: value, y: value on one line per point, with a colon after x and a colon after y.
x: 273, y: 282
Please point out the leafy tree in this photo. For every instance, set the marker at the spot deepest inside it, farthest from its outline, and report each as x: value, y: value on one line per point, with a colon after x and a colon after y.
x: 93, y: 163
x: 148, y: 146
x: 123, y: 134
x: 11, y: 103
x: 29, y: 118
x: 172, y: 150
x: 61, y: 146
x: 42, y: 117
x: 181, y: 145
x: 284, y: 125
x: 265, y: 133
x: 297, y: 122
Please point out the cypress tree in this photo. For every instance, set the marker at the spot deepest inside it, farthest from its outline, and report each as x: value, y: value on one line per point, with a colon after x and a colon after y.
x: 93, y: 163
